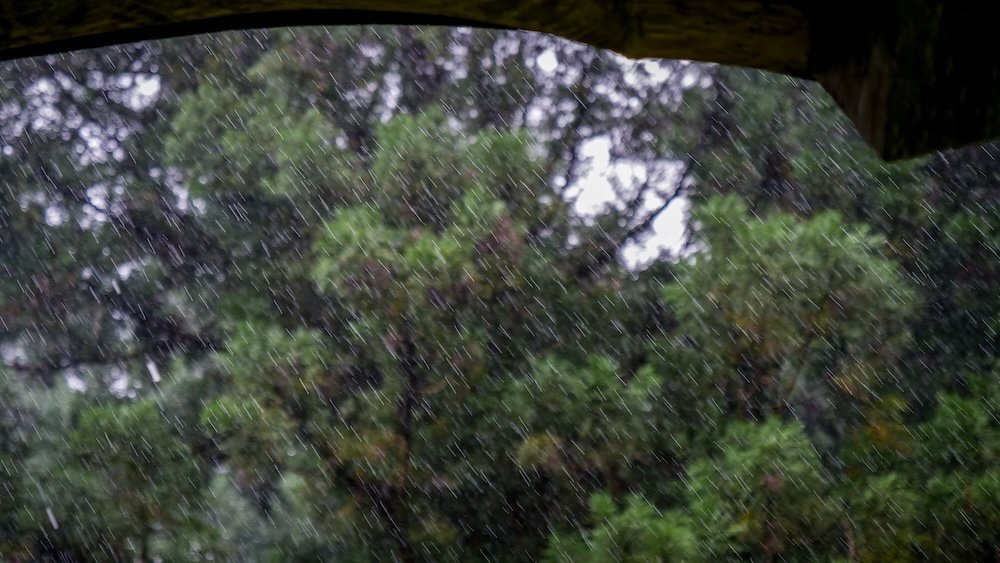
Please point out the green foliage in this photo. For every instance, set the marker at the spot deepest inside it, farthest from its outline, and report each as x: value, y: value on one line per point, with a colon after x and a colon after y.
x: 270, y: 362
x: 254, y: 440
x: 761, y: 493
x: 580, y: 417
x: 13, y: 450
x: 415, y: 169
x: 637, y: 532
x: 125, y: 474
x: 258, y: 142
x: 884, y: 518
x: 326, y: 296
x: 783, y: 313
x: 954, y: 461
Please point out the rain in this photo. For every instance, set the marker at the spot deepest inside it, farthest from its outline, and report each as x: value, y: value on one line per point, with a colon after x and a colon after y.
x: 447, y: 294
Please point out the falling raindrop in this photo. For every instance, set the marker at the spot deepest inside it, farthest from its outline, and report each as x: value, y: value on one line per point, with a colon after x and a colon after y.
x: 448, y: 294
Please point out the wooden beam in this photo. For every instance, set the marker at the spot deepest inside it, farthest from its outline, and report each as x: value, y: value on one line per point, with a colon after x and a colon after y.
x: 757, y: 33
x: 913, y: 75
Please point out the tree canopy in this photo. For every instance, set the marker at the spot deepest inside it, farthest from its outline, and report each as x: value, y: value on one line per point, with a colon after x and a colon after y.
x: 334, y: 294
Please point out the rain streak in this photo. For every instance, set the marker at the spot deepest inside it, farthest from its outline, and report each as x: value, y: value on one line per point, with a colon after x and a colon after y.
x: 438, y: 294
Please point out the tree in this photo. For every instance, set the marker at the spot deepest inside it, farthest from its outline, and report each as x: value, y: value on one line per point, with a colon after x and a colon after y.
x: 761, y: 493
x: 326, y: 294
x: 14, y: 449
x: 637, y: 532
x: 585, y: 422
x: 781, y: 143
x: 432, y: 293
x: 779, y: 316
x: 122, y: 481
x: 952, y: 463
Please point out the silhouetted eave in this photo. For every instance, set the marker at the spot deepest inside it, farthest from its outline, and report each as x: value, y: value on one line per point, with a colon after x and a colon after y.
x: 913, y: 75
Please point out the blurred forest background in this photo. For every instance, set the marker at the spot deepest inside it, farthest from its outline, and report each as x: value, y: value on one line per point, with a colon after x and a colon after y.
x: 326, y: 295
